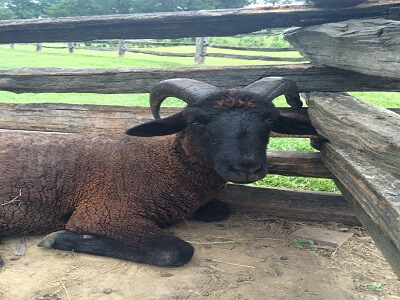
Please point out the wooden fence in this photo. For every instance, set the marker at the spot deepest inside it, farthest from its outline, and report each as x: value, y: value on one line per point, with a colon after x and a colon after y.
x: 363, y: 152
x: 200, y: 47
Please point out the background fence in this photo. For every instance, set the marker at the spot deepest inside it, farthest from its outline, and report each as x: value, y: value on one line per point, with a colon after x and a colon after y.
x: 199, y: 49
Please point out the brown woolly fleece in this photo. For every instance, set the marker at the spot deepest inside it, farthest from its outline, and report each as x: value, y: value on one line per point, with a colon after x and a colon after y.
x: 119, y: 186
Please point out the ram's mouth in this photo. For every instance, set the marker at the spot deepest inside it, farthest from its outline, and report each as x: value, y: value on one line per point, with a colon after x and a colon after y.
x: 242, y: 177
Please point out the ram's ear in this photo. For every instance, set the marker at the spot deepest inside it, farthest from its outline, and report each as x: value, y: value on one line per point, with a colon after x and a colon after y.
x: 166, y: 126
x: 293, y: 126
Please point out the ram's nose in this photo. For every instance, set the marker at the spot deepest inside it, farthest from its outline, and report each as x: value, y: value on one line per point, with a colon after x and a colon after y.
x: 247, y: 168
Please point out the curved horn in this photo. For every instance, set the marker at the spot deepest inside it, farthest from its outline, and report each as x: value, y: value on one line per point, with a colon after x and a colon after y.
x: 188, y: 90
x: 271, y: 87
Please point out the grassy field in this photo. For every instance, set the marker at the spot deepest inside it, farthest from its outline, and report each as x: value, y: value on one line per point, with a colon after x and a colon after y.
x: 25, y: 56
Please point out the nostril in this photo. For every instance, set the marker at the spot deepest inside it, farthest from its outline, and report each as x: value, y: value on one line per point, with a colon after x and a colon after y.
x: 255, y: 169
x: 246, y: 168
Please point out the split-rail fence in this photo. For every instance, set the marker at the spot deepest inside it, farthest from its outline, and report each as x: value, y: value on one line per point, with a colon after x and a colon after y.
x: 359, y: 142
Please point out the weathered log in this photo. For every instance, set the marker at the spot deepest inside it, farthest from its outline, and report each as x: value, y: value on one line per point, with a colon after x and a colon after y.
x: 334, y: 3
x: 181, y: 24
x: 257, y: 57
x: 287, y: 49
x: 224, y: 55
x: 93, y: 118
x: 110, y: 49
x: 183, y: 54
x: 369, y: 131
x: 141, y: 80
x: 367, y: 46
x: 55, y: 47
x: 291, y: 204
x: 373, y: 193
x: 297, y: 163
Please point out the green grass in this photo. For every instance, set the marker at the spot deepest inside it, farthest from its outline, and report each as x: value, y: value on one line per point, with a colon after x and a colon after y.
x: 191, y: 49
x: 384, y: 99
x: 267, y: 41
x: 25, y: 56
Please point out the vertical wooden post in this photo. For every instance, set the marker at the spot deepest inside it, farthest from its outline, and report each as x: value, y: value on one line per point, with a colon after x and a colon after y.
x: 201, y: 50
x: 121, y: 48
x: 71, y: 47
x: 38, y: 47
x: 12, y: 46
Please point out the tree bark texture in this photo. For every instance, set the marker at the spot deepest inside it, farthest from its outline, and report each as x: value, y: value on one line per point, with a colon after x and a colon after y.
x: 370, y: 47
x: 141, y: 80
x: 94, y: 118
x: 288, y: 203
x: 373, y: 193
x: 366, y: 130
x: 183, y: 24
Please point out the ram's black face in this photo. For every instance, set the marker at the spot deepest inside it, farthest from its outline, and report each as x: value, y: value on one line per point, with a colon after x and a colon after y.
x: 223, y: 129
x: 231, y: 136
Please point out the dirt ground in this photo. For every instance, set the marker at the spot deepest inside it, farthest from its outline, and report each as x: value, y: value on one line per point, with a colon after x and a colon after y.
x: 245, y: 257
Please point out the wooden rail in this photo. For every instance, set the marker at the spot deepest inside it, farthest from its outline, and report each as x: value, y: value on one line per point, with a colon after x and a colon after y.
x: 93, y: 118
x: 141, y: 80
x: 199, y: 55
x: 211, y: 45
x: 182, y: 54
x: 374, y: 195
x: 364, y: 155
x: 288, y: 203
x: 183, y: 24
x: 251, y: 48
x: 369, y: 46
x: 367, y: 130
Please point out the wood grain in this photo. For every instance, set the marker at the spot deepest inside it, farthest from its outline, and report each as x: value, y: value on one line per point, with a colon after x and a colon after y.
x: 76, y: 118
x: 141, y: 80
x: 288, y: 203
x: 181, y: 24
x: 370, y: 47
x: 368, y: 131
x: 297, y: 163
x: 373, y: 193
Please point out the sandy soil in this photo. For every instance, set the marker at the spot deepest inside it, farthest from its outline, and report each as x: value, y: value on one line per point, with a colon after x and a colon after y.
x: 245, y: 257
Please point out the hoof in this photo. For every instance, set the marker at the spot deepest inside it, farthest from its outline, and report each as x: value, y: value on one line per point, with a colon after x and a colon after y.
x: 63, y: 240
x: 50, y: 239
x: 171, y: 252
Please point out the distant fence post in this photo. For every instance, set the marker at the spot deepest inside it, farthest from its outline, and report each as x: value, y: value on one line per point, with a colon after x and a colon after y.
x: 12, y: 46
x: 38, y: 47
x: 71, y: 47
x: 201, y: 50
x: 121, y: 48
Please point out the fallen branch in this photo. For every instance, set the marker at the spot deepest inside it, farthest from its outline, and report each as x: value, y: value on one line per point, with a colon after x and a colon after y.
x: 229, y: 263
x: 63, y: 285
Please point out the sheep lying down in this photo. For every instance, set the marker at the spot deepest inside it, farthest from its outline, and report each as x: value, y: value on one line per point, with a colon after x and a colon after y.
x: 113, y: 195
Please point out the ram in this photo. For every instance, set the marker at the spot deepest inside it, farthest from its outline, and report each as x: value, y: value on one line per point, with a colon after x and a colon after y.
x: 113, y: 195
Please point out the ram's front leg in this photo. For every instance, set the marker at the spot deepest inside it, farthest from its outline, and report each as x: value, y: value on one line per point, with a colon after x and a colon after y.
x: 132, y: 239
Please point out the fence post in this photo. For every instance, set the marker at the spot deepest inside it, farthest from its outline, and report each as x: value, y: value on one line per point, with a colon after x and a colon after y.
x: 71, y: 47
x: 201, y: 50
x: 39, y: 47
x: 12, y: 46
x: 121, y: 48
